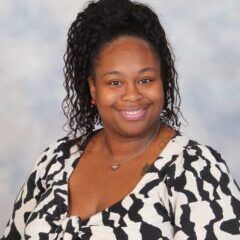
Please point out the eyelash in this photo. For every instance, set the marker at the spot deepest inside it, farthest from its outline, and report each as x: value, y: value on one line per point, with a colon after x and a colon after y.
x: 112, y: 83
x: 117, y: 83
x: 145, y: 79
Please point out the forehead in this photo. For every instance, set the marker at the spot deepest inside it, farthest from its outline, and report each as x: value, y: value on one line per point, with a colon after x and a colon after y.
x: 127, y: 50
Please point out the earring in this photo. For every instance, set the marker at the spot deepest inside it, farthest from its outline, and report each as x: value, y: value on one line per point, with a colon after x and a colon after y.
x: 93, y: 102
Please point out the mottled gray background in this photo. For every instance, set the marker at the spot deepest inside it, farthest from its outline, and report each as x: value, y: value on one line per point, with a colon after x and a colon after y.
x: 205, y: 37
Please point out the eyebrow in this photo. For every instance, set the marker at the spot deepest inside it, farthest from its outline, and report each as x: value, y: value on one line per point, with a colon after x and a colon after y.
x: 147, y: 69
x: 115, y: 72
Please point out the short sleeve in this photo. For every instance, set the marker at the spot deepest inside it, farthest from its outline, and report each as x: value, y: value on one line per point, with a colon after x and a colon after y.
x: 203, y: 197
x: 28, y: 196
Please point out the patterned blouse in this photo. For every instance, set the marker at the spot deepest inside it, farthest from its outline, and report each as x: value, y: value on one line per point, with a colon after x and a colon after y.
x: 187, y: 193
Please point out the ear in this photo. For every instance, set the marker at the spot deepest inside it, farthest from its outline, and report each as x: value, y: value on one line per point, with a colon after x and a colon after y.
x: 92, y: 87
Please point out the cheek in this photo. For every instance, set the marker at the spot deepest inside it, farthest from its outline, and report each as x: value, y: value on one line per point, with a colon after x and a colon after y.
x: 156, y: 95
x: 106, y: 97
x: 159, y: 100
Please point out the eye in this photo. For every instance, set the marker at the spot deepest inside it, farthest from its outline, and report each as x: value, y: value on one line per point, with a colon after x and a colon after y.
x: 145, y: 81
x: 114, y: 83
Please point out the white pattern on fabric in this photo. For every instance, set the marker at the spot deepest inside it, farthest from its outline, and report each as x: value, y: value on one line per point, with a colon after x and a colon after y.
x: 187, y: 193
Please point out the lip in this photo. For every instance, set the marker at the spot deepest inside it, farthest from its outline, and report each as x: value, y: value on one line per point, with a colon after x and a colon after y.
x: 133, y: 114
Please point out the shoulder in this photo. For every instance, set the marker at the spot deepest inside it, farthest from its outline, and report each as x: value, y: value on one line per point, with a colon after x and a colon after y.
x: 60, y: 146
x: 182, y: 154
x: 192, y: 153
x: 198, y: 172
x: 55, y: 156
x: 186, y: 156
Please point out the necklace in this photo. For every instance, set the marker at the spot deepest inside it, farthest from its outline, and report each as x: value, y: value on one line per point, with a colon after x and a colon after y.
x: 116, y: 166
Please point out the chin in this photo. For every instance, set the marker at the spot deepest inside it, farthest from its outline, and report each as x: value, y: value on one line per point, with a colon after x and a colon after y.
x: 136, y: 128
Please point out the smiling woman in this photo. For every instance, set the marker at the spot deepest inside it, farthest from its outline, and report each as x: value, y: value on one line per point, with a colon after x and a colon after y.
x: 136, y: 177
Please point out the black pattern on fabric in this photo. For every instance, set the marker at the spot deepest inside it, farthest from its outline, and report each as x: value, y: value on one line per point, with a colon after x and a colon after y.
x: 186, y: 194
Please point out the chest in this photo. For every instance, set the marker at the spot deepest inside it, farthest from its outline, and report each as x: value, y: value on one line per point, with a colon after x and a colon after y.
x: 93, y: 187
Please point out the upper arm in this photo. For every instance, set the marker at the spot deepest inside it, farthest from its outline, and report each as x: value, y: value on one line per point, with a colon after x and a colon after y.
x: 204, y: 197
x: 28, y: 197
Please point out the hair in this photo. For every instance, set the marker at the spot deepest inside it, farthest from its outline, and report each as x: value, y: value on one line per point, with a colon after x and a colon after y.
x: 99, y: 24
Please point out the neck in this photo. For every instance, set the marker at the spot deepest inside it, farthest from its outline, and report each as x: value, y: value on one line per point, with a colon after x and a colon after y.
x: 121, y: 146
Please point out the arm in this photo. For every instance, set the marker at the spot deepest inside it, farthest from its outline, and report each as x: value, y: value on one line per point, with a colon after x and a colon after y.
x: 204, y: 198
x: 28, y: 197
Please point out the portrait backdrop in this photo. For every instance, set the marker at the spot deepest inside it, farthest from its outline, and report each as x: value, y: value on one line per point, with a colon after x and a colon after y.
x: 205, y: 38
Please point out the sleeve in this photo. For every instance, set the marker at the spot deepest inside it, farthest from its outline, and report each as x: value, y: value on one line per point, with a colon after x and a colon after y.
x: 28, y: 197
x: 204, y: 198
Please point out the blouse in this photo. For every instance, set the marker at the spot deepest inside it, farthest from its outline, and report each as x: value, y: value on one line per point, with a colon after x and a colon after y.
x: 187, y: 193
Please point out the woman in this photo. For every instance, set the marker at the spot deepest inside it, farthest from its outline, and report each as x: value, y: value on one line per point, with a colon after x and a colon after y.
x: 137, y: 177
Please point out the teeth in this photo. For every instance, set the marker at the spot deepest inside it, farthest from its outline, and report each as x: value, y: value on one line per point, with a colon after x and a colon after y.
x: 133, y: 115
x: 135, y: 112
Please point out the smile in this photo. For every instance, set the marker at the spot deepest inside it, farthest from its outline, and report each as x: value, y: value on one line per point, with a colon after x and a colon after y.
x: 134, y: 114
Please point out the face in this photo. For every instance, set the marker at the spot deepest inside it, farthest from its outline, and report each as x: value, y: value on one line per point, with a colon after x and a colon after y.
x: 128, y: 88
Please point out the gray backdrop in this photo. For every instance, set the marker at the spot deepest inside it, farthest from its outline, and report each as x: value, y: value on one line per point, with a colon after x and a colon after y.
x: 205, y: 37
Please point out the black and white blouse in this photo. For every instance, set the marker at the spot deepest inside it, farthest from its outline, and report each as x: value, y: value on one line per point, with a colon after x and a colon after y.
x: 186, y: 194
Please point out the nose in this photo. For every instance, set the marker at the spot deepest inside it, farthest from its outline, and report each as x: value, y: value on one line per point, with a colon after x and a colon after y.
x: 132, y: 93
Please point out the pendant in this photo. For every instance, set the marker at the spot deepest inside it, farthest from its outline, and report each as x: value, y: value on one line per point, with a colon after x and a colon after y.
x: 115, y: 166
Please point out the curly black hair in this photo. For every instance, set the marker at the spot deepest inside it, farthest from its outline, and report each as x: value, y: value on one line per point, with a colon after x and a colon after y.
x: 100, y: 23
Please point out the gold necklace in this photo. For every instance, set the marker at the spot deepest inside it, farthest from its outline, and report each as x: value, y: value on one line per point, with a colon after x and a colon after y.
x: 117, y: 165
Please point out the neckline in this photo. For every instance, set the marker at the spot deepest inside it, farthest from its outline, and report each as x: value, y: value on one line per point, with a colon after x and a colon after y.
x: 149, y: 170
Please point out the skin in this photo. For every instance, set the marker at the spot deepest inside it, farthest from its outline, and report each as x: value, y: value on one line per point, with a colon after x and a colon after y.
x: 129, y: 95
x: 127, y: 78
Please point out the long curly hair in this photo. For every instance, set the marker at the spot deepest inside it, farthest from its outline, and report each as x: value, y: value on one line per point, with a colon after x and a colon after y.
x: 100, y: 23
